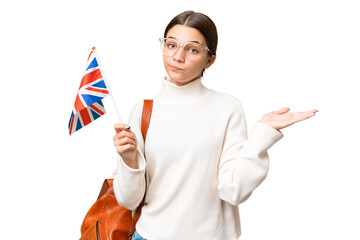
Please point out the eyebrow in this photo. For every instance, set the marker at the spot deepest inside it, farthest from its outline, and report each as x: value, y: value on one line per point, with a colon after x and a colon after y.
x: 188, y: 41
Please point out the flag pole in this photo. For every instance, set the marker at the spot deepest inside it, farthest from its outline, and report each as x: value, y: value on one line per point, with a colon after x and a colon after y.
x: 108, y: 87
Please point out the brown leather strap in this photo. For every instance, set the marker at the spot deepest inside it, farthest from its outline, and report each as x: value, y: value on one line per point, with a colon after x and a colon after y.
x: 146, y: 114
x: 105, y: 187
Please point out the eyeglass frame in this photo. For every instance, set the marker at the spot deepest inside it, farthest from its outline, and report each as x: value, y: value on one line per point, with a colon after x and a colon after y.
x: 162, y: 41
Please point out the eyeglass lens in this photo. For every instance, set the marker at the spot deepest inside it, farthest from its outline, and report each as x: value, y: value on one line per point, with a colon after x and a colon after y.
x: 170, y: 47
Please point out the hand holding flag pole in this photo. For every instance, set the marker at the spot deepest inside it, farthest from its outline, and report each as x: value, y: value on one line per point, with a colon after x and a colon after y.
x: 93, y: 88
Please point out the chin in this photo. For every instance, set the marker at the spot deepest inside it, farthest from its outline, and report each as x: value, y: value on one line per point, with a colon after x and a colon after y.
x: 181, y: 80
x: 177, y: 78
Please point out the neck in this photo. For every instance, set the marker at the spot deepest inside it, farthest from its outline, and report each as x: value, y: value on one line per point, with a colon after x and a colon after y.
x: 171, y: 92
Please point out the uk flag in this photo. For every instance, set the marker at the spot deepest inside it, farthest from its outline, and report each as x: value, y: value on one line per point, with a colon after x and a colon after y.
x: 88, y: 105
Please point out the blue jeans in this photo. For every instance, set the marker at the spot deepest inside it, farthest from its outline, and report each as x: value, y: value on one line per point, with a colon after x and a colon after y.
x: 136, y: 236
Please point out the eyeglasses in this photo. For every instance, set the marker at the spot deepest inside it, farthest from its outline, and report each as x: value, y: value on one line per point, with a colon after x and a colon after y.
x: 192, y: 50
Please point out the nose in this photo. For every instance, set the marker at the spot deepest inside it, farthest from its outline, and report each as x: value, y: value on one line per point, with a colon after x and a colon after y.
x: 179, y: 55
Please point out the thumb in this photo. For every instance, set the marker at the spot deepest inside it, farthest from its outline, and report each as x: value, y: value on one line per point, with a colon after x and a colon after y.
x: 283, y: 110
x: 120, y: 127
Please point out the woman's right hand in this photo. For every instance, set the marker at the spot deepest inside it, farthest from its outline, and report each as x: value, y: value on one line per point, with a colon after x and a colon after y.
x: 125, y: 144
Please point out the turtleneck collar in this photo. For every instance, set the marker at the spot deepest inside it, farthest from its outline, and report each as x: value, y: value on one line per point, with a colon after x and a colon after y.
x: 190, y: 91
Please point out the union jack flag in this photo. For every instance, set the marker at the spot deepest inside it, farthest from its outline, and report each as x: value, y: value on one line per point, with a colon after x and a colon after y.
x: 88, y: 105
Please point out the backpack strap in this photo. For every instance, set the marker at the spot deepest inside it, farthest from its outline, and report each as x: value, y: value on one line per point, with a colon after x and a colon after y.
x: 146, y: 115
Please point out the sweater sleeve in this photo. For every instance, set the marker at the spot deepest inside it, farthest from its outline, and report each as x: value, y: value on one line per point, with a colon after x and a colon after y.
x: 129, y: 184
x: 244, y: 162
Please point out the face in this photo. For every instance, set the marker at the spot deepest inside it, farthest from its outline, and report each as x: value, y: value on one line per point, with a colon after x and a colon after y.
x: 181, y: 70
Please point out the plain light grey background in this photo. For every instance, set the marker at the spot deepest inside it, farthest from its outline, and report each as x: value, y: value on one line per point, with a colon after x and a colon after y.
x: 271, y: 54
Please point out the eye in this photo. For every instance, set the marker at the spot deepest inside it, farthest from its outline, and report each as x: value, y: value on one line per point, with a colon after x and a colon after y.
x: 171, y: 44
x: 193, y: 48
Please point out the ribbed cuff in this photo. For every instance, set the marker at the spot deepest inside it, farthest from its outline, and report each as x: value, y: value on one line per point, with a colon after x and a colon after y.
x: 140, y: 162
x: 264, y: 136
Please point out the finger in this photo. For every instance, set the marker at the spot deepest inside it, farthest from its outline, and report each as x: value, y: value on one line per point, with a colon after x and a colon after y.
x: 120, y: 127
x: 300, y: 116
x: 124, y: 134
x: 310, y: 113
x: 124, y: 148
x: 124, y: 141
x: 283, y: 110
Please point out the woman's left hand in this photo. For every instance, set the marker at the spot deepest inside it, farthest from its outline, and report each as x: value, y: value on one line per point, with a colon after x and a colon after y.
x: 283, y: 118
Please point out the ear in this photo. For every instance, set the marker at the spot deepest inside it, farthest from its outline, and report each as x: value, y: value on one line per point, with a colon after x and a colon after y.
x: 211, y: 60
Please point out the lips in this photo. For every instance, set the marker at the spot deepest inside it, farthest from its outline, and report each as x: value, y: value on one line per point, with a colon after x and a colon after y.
x: 175, y: 69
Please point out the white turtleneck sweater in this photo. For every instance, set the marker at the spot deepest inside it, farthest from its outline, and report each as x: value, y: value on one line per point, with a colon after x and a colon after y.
x: 199, y: 161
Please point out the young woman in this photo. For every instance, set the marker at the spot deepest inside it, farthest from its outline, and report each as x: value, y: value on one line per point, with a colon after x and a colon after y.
x: 199, y: 161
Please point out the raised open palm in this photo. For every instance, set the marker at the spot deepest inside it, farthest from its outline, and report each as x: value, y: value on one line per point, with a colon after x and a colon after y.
x: 283, y: 118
